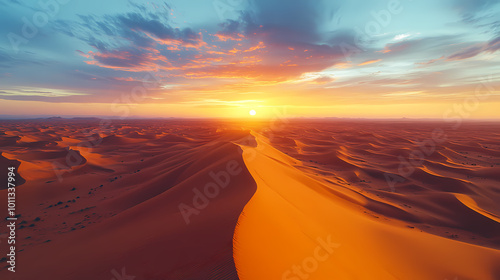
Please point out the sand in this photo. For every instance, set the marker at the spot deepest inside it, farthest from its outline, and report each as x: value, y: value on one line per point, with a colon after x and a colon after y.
x: 206, y: 199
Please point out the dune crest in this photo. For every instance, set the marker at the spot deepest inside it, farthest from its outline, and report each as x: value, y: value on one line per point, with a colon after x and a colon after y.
x: 280, y: 229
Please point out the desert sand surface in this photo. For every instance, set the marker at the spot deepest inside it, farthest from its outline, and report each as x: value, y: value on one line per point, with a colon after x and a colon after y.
x: 234, y: 199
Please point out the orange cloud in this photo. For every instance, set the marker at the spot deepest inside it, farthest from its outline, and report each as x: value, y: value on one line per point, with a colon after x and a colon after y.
x: 322, y: 80
x: 430, y: 61
x: 369, y: 62
x: 257, y: 47
x: 129, y: 79
x: 342, y: 65
x: 395, y: 47
x: 226, y: 37
x: 176, y: 44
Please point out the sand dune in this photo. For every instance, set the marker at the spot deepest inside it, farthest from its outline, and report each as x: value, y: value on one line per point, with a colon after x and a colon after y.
x: 292, y: 210
x: 230, y: 200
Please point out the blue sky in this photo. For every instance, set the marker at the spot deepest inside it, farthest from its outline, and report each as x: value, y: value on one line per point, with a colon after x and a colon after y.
x: 213, y: 58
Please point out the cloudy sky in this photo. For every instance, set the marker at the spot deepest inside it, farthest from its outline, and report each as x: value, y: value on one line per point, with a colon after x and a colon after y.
x: 222, y: 58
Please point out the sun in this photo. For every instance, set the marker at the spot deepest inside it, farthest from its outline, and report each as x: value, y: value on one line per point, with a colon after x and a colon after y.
x: 252, y: 112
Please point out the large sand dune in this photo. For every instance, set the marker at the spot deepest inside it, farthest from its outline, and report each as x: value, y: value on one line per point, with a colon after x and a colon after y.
x: 158, y: 199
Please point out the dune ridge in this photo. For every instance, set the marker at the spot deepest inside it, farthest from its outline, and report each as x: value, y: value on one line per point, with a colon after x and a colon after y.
x: 278, y: 230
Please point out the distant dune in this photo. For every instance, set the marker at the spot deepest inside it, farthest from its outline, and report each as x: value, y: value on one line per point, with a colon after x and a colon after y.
x: 310, y: 199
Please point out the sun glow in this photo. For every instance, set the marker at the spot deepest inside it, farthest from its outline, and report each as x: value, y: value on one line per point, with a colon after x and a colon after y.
x: 252, y: 112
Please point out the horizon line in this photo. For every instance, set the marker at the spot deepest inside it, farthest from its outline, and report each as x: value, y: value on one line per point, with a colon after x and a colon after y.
x: 79, y: 117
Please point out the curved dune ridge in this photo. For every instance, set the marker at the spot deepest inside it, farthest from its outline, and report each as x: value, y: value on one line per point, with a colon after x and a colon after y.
x: 172, y: 199
x: 294, y: 213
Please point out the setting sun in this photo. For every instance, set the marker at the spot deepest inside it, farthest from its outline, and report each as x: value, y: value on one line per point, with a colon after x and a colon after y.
x: 252, y: 112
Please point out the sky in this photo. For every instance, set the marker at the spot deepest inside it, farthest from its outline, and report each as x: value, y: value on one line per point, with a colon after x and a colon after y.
x: 223, y: 58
